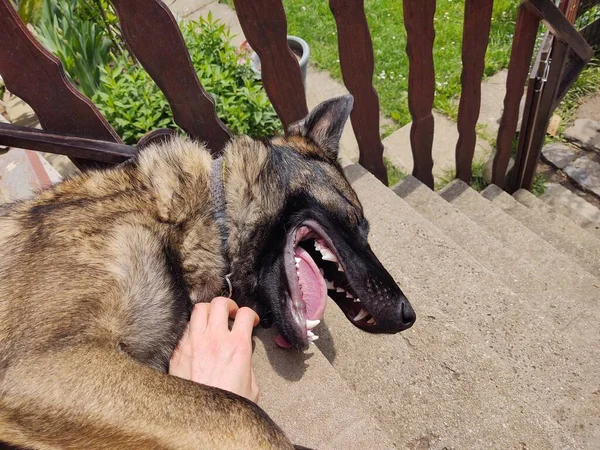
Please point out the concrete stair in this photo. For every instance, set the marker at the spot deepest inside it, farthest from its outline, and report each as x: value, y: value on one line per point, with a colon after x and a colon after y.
x: 561, y: 200
x: 505, y: 352
x: 554, y: 228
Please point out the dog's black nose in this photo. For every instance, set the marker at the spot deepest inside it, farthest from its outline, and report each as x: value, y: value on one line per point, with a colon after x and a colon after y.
x: 408, y: 315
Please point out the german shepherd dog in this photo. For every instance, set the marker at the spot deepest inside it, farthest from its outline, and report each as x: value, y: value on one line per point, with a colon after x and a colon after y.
x: 98, y: 275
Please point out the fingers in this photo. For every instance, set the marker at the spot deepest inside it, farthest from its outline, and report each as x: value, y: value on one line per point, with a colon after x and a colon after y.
x: 199, y: 319
x: 221, y: 308
x: 245, y: 320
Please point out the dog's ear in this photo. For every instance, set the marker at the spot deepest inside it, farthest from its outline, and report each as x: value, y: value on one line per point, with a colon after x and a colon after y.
x: 325, y: 123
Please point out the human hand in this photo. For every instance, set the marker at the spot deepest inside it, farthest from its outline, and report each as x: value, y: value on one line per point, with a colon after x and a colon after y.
x: 208, y: 353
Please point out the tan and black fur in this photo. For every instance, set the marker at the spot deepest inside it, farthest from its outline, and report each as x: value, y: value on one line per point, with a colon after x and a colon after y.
x: 98, y: 275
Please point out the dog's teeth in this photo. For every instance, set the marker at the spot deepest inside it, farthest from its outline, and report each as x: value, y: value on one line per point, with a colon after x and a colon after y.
x: 361, y: 315
x: 313, y: 338
x: 317, y: 246
x: 297, y: 260
x: 322, y: 272
x: 349, y: 295
x: 328, y: 255
x: 340, y: 268
x: 357, y: 300
x: 310, y: 324
x: 339, y: 289
x: 310, y: 333
x: 329, y: 285
x: 371, y: 321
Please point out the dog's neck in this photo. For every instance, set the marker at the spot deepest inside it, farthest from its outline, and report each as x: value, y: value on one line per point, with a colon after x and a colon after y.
x: 219, y: 205
x: 252, y: 194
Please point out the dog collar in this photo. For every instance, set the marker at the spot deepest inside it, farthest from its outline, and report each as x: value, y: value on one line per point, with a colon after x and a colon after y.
x: 219, y: 204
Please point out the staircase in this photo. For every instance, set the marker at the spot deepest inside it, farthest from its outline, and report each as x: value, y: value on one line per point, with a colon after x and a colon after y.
x: 506, y: 349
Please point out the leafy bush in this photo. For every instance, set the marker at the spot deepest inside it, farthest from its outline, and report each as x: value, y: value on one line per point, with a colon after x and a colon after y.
x: 82, y: 46
x: 29, y: 10
x: 134, y: 105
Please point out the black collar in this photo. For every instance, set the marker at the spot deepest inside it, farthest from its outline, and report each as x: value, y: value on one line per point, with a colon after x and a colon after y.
x: 219, y: 206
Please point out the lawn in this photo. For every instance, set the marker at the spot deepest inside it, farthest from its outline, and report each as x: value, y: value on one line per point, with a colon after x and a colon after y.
x: 313, y: 21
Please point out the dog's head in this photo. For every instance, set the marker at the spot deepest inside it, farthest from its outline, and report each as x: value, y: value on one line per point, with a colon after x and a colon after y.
x: 305, y: 238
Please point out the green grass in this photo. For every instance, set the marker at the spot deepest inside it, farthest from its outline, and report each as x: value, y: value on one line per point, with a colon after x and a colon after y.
x: 394, y: 174
x: 312, y: 20
x: 585, y: 86
x: 478, y: 181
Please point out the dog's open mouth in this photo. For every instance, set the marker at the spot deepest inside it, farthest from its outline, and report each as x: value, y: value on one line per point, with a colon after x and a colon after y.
x: 314, y: 271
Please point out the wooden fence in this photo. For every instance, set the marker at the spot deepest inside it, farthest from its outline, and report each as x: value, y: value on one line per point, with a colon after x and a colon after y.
x: 79, y: 131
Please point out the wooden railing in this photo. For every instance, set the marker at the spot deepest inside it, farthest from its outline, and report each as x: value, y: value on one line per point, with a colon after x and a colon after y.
x: 75, y: 128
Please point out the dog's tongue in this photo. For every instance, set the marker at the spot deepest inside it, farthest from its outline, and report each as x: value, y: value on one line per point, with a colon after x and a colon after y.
x: 312, y: 288
x: 312, y: 284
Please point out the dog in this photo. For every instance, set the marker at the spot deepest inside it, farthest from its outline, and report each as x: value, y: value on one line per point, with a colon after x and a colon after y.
x: 99, y: 273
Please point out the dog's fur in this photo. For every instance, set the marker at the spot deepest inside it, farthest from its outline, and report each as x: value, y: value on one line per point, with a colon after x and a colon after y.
x: 98, y: 275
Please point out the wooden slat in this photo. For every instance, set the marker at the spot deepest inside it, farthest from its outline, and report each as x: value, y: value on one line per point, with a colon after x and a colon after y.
x: 357, y: 63
x: 265, y: 27
x: 418, y: 21
x: 154, y: 37
x: 560, y: 27
x: 37, y: 77
x: 520, y: 57
x: 108, y: 153
x: 476, y: 32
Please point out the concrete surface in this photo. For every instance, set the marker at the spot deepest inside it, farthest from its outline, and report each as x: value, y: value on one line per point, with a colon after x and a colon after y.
x: 545, y: 296
x: 583, y: 288
x: 445, y: 136
x: 554, y: 228
x: 445, y: 380
x: 516, y: 271
x: 589, y: 109
x: 304, y: 394
x: 22, y: 173
x: 493, y: 91
x: 533, y: 202
x: 572, y: 206
x: 585, y: 133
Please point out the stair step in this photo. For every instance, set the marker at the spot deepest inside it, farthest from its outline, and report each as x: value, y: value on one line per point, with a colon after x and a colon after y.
x: 531, y: 201
x: 555, y: 229
x: 309, y: 400
x: 515, y: 270
x: 570, y: 205
x: 579, y: 306
x: 458, y: 377
x: 545, y: 311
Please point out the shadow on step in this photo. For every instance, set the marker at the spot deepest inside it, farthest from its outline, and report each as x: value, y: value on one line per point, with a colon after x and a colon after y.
x: 292, y: 364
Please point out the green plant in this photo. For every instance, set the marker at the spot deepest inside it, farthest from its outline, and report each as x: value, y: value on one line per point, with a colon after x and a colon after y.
x: 82, y: 46
x: 394, y: 174
x: 539, y: 184
x: 478, y: 177
x: 587, y: 84
x: 30, y: 10
x: 102, y: 13
x: 134, y: 105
